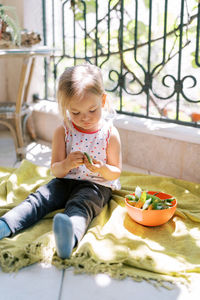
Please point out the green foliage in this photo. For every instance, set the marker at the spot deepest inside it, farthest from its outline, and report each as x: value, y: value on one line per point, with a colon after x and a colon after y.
x: 91, y: 6
x: 194, y: 65
x: 121, y: 56
x: 79, y: 12
x: 146, y: 3
x: 12, y: 22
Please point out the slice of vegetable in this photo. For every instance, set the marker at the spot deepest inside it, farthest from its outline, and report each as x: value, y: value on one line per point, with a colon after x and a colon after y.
x: 139, y: 204
x: 143, y: 197
x: 88, y: 157
x: 130, y: 197
x: 138, y: 192
x: 146, y: 204
x: 153, y: 197
x: 155, y: 204
x: 142, y: 200
x: 169, y: 199
x: 150, y: 207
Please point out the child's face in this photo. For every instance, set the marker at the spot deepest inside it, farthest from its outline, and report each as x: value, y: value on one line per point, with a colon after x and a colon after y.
x: 86, y: 113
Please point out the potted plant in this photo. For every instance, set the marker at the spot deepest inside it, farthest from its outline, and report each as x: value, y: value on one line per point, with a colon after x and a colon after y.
x: 9, y: 26
x: 195, y: 117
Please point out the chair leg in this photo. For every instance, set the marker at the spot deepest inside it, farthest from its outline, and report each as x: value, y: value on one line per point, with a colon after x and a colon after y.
x: 19, y: 132
x: 28, y: 127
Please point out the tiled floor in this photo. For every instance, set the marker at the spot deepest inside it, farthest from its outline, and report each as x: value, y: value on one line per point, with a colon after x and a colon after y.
x: 41, y: 281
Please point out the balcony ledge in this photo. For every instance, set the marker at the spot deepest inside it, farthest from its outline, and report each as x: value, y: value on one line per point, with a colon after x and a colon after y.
x: 159, y: 128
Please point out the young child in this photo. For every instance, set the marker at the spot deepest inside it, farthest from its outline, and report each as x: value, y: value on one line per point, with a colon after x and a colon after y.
x: 82, y: 187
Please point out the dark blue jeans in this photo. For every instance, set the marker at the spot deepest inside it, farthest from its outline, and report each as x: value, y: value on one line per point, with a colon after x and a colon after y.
x: 81, y: 200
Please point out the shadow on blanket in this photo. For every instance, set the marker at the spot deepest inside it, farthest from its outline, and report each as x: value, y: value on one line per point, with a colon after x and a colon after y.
x: 113, y: 243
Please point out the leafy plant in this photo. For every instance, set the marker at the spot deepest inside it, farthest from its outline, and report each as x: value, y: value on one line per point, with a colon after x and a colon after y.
x: 11, y: 22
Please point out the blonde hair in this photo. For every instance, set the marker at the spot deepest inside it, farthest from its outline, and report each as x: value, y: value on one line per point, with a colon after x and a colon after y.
x: 76, y: 82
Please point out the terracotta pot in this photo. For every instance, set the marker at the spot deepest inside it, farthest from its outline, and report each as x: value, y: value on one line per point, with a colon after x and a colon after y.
x: 3, y: 27
x: 195, y: 117
x: 165, y: 112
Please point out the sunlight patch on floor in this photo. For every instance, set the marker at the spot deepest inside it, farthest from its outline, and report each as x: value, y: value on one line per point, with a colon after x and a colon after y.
x: 102, y: 280
x: 39, y: 153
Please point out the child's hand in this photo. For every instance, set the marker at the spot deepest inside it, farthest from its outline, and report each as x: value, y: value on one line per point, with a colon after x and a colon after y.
x: 93, y: 166
x: 75, y: 159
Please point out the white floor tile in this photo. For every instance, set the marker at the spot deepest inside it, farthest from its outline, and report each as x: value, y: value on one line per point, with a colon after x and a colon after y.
x: 31, y: 283
x: 7, y: 150
x: 39, y: 153
x: 101, y: 286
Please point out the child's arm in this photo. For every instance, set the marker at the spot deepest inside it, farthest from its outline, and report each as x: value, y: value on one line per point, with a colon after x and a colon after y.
x: 112, y: 169
x: 61, y: 163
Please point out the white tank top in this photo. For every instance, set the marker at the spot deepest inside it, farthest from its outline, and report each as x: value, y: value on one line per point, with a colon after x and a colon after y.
x: 95, y: 144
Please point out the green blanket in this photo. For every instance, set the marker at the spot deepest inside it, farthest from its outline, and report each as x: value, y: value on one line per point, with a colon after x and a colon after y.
x: 113, y: 243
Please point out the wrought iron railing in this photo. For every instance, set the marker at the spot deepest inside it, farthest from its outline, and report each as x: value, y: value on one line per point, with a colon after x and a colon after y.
x: 149, y: 52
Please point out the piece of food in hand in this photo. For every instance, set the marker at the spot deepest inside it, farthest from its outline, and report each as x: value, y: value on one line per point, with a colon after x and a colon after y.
x: 88, y: 157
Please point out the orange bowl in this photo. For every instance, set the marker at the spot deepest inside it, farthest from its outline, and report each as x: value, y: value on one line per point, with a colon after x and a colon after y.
x: 152, y: 217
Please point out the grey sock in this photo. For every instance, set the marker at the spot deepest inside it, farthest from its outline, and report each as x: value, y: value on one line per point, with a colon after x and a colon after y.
x: 64, y: 235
